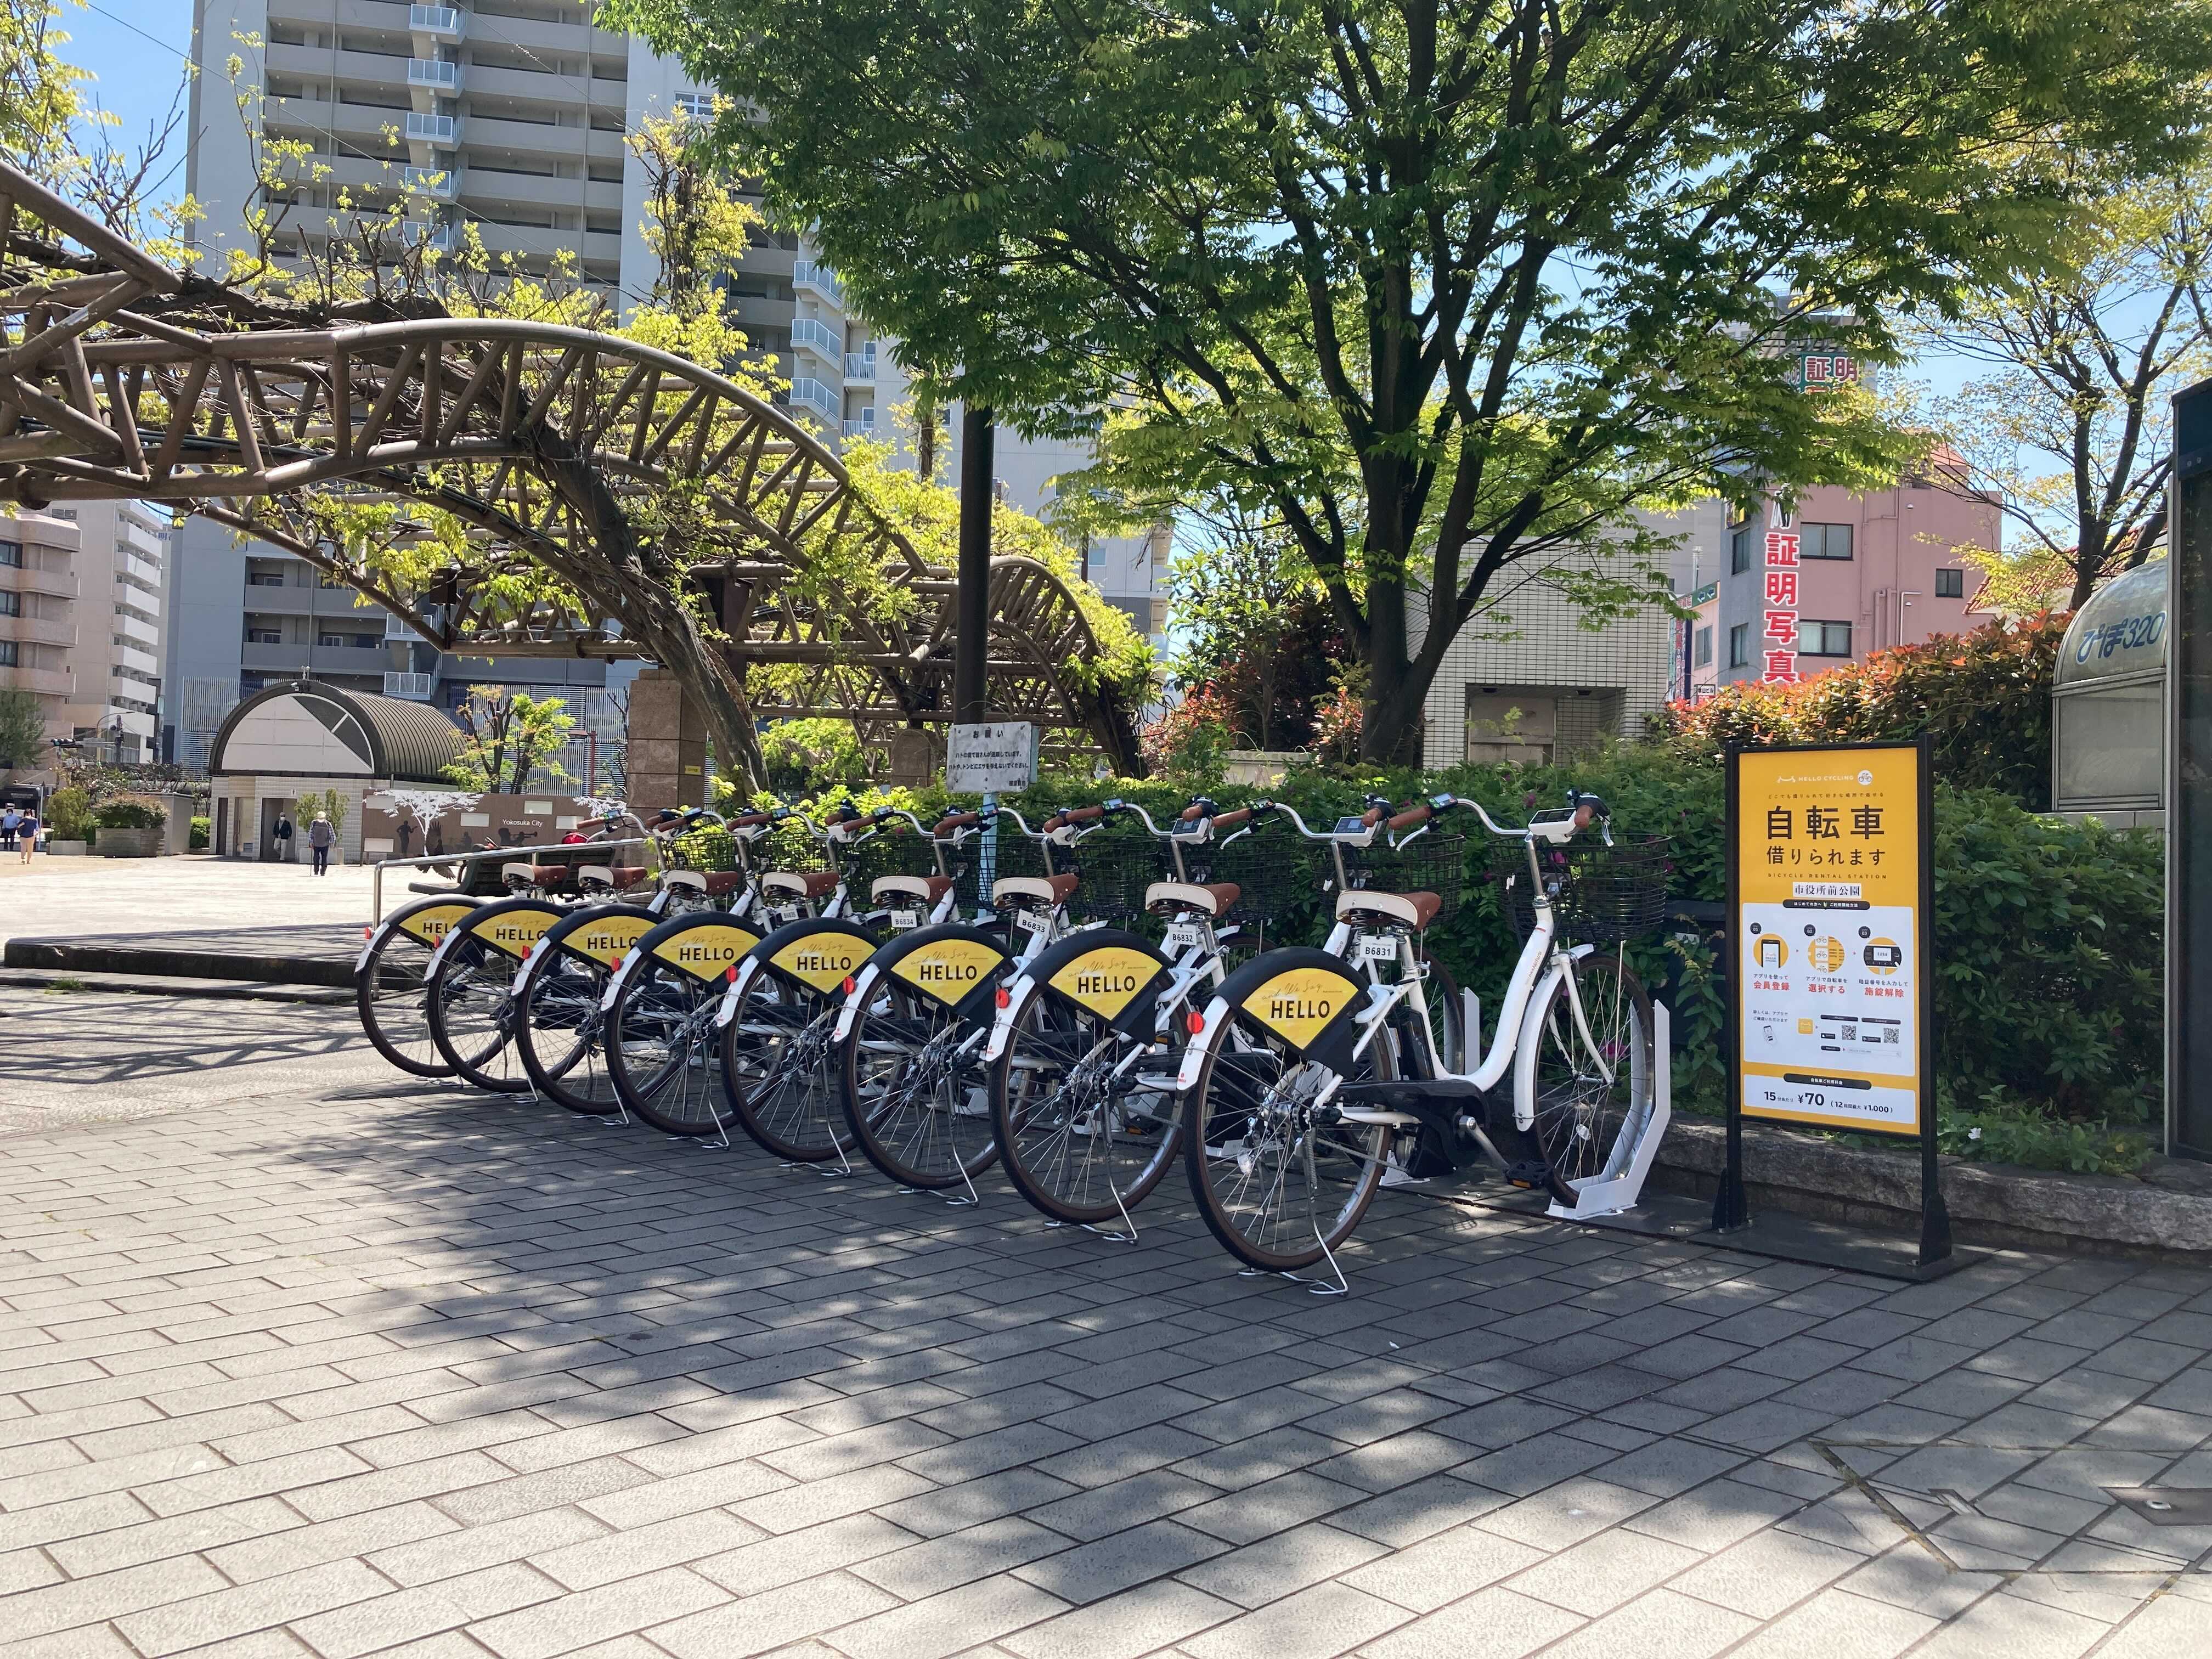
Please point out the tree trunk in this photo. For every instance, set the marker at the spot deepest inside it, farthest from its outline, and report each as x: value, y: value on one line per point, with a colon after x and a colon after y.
x: 647, y: 609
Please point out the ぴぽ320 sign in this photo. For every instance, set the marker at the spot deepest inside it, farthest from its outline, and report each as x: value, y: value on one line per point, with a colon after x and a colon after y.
x: 1830, y: 877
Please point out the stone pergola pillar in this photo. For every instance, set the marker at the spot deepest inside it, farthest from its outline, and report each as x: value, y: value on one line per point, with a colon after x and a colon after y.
x: 667, y: 751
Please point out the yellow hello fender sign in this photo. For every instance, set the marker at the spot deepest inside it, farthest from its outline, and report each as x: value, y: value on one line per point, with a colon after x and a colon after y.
x: 1298, y: 1004
x: 949, y: 968
x: 1107, y: 980
x: 607, y: 940
x: 707, y: 952
x: 823, y: 960
x: 511, y: 933
x: 433, y: 922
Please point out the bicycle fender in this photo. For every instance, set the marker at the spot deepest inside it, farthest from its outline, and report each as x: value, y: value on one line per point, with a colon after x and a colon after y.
x: 817, y: 954
x: 706, y: 945
x: 1532, y: 1026
x: 426, y: 920
x: 1109, y: 972
x: 599, y: 934
x: 1307, y: 999
x: 953, y: 963
x: 864, y: 985
x: 509, y: 925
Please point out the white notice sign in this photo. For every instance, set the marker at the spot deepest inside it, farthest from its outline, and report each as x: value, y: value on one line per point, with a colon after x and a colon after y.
x: 1001, y: 756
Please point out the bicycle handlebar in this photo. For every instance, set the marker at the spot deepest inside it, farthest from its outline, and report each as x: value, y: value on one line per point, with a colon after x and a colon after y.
x: 954, y: 821
x: 1418, y: 813
x: 1230, y: 820
x: 1068, y: 815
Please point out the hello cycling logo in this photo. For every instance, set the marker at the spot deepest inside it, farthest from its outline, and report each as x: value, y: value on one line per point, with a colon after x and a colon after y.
x: 2127, y: 633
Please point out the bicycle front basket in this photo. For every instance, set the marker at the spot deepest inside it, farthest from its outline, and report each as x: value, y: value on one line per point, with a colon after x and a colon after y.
x: 1600, y: 895
x: 1432, y: 863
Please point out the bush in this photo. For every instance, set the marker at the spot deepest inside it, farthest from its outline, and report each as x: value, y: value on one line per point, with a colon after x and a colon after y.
x: 1983, y: 698
x: 200, y: 834
x: 69, y: 812
x: 128, y: 814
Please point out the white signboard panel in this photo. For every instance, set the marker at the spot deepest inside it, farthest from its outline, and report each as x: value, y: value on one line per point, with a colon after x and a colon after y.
x: 998, y: 757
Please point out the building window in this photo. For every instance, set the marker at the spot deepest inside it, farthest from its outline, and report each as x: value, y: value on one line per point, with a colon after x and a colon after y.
x: 11, y: 604
x: 1740, y: 546
x: 11, y: 553
x: 1823, y: 541
x: 1950, y: 584
x: 700, y: 105
x: 1740, y: 645
x: 1703, y: 653
x: 264, y: 579
x: 1824, y: 639
x: 6, y: 654
x: 263, y: 636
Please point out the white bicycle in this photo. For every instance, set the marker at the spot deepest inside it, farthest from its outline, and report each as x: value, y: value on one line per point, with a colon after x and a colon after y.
x: 1289, y: 1132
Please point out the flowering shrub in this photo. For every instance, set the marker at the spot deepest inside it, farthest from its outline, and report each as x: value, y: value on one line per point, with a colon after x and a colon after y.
x: 1982, y: 698
x: 1192, y: 737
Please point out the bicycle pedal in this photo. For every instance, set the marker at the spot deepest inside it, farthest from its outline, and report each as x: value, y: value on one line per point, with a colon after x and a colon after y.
x: 1529, y: 1173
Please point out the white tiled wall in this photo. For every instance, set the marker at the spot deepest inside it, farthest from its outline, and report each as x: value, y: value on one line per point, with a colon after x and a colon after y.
x: 1631, y: 657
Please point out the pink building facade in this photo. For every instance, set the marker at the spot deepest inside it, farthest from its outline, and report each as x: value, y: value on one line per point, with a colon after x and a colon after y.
x: 1845, y: 576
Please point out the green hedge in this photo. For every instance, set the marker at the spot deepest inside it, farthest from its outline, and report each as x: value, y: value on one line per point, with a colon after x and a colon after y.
x: 2047, y: 935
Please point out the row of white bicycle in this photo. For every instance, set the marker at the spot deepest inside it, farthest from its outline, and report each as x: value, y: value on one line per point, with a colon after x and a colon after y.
x: 950, y: 1016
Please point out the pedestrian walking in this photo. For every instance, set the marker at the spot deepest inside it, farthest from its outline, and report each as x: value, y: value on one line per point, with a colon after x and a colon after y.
x: 282, y: 834
x: 27, y: 830
x: 11, y: 821
x: 319, y: 837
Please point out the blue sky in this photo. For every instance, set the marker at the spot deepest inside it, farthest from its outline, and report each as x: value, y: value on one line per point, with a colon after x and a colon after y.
x: 135, y: 50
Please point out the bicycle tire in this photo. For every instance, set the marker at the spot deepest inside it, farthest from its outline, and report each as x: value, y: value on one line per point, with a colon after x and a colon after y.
x: 1578, y: 1120
x: 390, y: 984
x: 470, y: 1000
x: 1063, y: 1150
x: 663, y: 1052
x: 1229, y: 1101
x: 560, y: 1020
x: 896, y: 1052
x: 780, y: 1070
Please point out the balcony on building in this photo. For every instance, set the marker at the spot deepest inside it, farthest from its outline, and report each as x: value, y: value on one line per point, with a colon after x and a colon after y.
x: 809, y: 393
x: 428, y: 233
x: 812, y: 334
x: 422, y: 129
x: 812, y: 276
x: 416, y: 688
x: 438, y: 75
x: 443, y: 22
x: 863, y: 428
x: 861, y: 366
x: 442, y: 184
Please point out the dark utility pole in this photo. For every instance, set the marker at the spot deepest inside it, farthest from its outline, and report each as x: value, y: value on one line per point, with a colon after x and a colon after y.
x: 971, y: 615
x: 2189, y: 782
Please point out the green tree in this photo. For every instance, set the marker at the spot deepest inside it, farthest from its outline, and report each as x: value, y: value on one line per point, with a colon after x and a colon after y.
x: 1451, y: 290
x: 22, y: 729
x: 2068, y: 423
x: 1253, y: 622
x: 506, y: 739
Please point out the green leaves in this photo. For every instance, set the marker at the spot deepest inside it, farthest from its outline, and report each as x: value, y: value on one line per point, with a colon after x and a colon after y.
x: 1445, y: 289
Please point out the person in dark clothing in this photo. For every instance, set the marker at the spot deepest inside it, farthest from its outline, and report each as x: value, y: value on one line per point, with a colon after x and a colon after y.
x: 283, y: 832
x: 320, y: 834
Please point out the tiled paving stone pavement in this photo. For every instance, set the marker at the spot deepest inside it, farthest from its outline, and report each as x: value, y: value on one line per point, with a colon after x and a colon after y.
x: 358, y: 1366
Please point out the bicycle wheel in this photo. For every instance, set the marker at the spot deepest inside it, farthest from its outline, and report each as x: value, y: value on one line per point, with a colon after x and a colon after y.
x: 391, y: 987
x: 1085, y: 1135
x: 1582, y: 1120
x: 471, y: 1007
x: 559, y: 1022
x: 780, y: 1070
x: 916, y: 1098
x: 663, y: 1053
x: 1275, y: 1187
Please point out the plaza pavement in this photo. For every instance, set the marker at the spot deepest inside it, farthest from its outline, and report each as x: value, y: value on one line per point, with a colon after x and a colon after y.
x: 298, y: 1356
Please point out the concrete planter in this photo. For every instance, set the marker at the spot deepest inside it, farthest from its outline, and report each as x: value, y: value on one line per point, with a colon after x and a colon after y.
x: 68, y: 849
x: 121, y: 843
x: 1994, y: 1204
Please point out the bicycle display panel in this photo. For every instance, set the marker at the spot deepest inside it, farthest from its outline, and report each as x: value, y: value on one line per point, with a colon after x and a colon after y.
x: 1828, y: 848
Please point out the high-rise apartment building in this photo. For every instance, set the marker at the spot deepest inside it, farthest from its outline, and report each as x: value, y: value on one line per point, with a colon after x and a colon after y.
x: 508, y: 118
x: 82, y: 592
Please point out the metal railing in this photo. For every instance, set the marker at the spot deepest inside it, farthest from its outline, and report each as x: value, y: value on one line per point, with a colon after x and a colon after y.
x: 436, y: 20
x: 504, y: 854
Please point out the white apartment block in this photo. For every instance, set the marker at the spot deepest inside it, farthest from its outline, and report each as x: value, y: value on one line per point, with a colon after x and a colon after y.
x: 82, y: 598
x: 1527, y: 681
x: 510, y: 116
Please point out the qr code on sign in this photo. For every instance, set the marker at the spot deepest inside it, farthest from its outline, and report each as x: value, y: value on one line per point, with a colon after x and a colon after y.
x: 1850, y: 1033
x: 1890, y: 1036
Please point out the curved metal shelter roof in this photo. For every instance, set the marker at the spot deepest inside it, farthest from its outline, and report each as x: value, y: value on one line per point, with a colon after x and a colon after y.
x: 310, y: 730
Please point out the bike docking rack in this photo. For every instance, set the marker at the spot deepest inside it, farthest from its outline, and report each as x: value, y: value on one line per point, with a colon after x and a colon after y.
x: 481, y: 856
